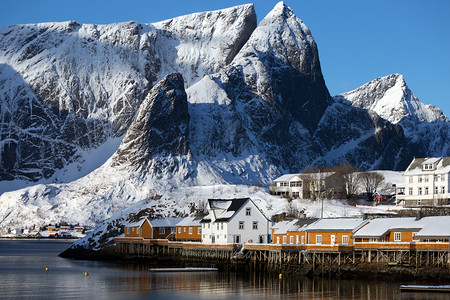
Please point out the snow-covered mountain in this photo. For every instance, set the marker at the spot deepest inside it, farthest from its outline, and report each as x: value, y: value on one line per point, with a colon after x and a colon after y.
x: 104, y: 116
x: 426, y: 127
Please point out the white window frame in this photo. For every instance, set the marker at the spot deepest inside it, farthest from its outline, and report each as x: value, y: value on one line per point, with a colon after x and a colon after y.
x: 345, y: 239
x: 284, y: 240
x: 190, y: 230
x: 199, y: 231
x: 397, y: 236
x: 291, y: 240
x: 248, y: 211
x: 162, y: 230
x: 319, y: 239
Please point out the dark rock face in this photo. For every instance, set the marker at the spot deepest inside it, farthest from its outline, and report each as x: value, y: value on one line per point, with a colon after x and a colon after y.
x: 160, y: 127
x: 66, y: 87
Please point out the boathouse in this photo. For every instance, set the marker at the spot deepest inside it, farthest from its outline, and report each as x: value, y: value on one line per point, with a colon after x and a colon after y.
x: 189, y: 229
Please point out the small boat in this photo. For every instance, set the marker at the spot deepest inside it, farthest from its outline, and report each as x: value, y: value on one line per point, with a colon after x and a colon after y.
x: 425, y: 288
x: 188, y: 269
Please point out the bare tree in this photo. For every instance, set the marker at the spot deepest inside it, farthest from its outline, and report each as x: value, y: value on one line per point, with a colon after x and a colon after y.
x: 371, y: 181
x: 347, y: 179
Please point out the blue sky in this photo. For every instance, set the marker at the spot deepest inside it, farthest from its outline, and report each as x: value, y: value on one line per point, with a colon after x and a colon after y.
x: 358, y: 40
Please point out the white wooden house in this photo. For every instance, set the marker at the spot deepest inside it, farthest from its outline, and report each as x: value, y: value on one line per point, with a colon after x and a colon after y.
x: 234, y: 221
x: 426, y: 183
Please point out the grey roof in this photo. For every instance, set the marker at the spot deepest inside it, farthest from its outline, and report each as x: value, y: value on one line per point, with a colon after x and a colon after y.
x: 165, y: 222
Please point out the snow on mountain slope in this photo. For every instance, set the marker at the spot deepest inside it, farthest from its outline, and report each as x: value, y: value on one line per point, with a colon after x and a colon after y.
x: 68, y: 87
x: 392, y: 100
x: 427, y: 128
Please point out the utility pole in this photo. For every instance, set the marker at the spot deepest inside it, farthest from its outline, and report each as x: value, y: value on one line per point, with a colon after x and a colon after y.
x: 320, y: 183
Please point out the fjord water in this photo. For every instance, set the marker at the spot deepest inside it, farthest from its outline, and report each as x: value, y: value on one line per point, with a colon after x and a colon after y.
x: 23, y: 272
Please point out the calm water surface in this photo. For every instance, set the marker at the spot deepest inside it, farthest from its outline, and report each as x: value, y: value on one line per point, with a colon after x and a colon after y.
x: 23, y: 276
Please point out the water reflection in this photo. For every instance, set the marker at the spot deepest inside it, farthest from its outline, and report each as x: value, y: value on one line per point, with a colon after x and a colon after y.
x: 22, y: 267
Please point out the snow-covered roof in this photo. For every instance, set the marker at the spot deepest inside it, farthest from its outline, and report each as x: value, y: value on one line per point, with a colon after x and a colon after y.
x: 225, y: 209
x: 165, y: 222
x: 189, y: 221
x: 442, y: 166
x: 285, y: 177
x: 379, y: 227
x: 138, y: 223
x: 427, y: 227
x: 431, y: 160
x: 434, y: 227
x: 338, y: 224
x: 284, y: 227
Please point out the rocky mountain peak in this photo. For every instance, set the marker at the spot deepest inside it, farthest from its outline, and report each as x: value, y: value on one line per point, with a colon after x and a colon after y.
x: 280, y: 62
x: 391, y: 98
x: 160, y: 127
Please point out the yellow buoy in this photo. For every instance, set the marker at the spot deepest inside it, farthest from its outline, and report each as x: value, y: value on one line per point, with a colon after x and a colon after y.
x: 280, y: 275
x: 46, y: 269
x: 86, y: 274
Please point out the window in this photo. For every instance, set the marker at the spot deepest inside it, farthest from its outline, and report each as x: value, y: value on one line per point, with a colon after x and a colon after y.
x: 414, y: 237
x: 255, y: 225
x: 442, y: 177
x: 303, y: 239
x: 373, y: 240
x: 397, y: 236
x: 184, y: 229
x: 221, y: 226
x: 179, y: 229
x: 291, y: 240
x: 295, y: 194
x: 217, y: 226
x: 419, y: 201
x: 436, y: 190
x: 296, y: 184
x: 284, y: 239
x: 278, y: 239
x: 241, y: 225
x: 128, y: 230
x: 410, y: 191
x: 190, y: 230
x: 225, y: 236
x: 426, y: 178
x: 209, y: 225
x: 162, y: 230
x: 420, y: 191
x: 297, y: 239
x: 172, y: 230
x: 443, y: 190
x: 137, y: 230
x: 248, y: 211
x: 426, y: 191
x: 345, y: 239
x: 199, y: 231
x: 319, y: 239
x: 410, y: 179
x: 419, y: 178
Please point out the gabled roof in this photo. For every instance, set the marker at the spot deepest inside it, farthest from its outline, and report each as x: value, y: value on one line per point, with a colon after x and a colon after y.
x: 225, y: 208
x: 137, y: 224
x: 295, y: 225
x: 165, y: 222
x: 189, y: 221
x: 415, y: 167
x: 427, y: 227
x: 337, y: 224
x: 285, y: 177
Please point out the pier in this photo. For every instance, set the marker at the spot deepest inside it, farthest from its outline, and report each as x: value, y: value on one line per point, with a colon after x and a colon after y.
x: 298, y: 259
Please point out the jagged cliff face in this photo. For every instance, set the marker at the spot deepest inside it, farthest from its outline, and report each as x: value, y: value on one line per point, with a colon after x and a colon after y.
x: 66, y: 87
x: 201, y: 99
x: 426, y: 128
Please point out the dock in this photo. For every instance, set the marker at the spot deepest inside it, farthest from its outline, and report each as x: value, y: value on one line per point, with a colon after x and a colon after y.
x: 425, y: 288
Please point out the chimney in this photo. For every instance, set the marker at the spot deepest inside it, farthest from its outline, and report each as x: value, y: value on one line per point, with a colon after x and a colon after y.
x: 419, y: 216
